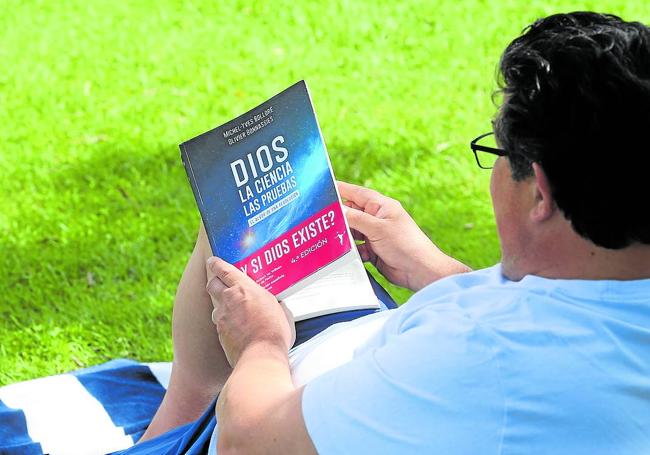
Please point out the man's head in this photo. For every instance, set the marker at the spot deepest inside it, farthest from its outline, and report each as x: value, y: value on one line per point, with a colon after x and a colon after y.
x: 577, y: 103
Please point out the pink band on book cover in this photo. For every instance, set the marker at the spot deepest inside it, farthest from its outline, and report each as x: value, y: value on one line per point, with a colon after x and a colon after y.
x: 301, y: 251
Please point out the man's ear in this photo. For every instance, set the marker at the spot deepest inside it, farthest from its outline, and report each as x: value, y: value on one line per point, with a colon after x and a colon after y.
x: 543, y: 205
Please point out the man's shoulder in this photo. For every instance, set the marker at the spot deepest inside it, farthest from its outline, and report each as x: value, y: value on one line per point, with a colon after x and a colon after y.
x: 447, y: 288
x: 484, y: 357
x: 458, y: 297
x: 486, y: 296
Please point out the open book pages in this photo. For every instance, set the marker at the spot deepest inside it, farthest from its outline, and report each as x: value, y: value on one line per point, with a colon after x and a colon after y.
x: 340, y: 286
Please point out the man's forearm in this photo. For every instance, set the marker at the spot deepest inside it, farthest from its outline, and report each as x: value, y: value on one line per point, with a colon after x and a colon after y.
x: 258, y: 404
x: 433, y: 267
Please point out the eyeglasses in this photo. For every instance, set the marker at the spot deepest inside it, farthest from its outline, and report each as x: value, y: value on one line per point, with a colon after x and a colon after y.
x: 486, y: 153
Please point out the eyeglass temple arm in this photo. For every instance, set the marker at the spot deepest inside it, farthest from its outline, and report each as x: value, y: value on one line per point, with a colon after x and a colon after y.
x: 484, y: 148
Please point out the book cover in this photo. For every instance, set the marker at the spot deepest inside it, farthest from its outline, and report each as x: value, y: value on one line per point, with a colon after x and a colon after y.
x: 266, y: 192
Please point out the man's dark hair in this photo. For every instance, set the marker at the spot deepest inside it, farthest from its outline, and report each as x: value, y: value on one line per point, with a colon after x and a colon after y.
x: 577, y: 101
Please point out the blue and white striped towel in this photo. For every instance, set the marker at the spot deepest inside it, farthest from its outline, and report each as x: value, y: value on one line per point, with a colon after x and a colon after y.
x: 96, y: 410
x: 106, y: 408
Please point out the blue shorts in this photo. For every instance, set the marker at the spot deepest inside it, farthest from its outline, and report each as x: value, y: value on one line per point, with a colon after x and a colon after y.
x: 194, y: 438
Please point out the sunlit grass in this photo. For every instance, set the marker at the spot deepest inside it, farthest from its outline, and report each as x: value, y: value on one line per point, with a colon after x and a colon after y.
x: 96, y: 214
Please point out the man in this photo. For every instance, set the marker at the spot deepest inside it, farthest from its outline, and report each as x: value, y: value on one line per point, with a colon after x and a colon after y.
x: 548, y: 352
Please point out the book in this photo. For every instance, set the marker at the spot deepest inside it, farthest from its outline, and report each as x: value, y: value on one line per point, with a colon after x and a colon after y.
x: 265, y: 188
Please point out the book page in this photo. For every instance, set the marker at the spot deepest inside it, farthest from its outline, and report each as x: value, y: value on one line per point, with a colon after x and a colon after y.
x: 344, y: 286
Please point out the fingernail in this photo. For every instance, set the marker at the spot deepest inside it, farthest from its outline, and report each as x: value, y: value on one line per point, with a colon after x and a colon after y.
x: 211, y: 260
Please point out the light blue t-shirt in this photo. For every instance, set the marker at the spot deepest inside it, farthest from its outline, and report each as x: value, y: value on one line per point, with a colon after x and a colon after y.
x: 478, y: 364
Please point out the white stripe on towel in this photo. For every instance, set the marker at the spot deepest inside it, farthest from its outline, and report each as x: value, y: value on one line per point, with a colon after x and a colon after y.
x: 161, y: 371
x: 64, y: 418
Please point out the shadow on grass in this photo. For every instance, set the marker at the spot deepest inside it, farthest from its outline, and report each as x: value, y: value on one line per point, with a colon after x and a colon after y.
x: 92, y: 263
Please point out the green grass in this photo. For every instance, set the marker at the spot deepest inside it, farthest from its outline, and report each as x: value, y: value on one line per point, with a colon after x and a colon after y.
x: 96, y: 215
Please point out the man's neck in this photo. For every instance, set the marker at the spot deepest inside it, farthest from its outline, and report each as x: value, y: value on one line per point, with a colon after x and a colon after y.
x: 563, y: 254
x: 596, y: 263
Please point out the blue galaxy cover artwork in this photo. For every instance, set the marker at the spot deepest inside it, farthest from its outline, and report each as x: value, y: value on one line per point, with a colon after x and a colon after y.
x: 259, y: 175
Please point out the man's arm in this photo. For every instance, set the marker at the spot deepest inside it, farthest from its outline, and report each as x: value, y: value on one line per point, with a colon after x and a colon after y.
x: 393, y: 242
x: 259, y: 410
x: 431, y: 386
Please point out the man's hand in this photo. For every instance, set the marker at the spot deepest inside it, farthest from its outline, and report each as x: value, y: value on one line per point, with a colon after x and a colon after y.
x: 259, y: 409
x: 392, y: 241
x: 245, y: 313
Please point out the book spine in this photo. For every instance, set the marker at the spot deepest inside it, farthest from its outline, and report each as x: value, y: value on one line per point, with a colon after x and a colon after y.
x: 187, y: 164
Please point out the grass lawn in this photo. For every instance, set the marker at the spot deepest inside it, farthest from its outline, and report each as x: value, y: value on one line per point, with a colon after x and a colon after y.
x: 96, y: 215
